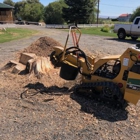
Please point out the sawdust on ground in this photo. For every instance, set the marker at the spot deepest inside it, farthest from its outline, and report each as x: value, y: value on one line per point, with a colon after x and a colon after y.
x: 45, y: 109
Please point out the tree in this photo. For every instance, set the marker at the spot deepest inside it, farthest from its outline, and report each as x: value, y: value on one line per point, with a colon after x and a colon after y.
x: 9, y: 2
x: 93, y: 14
x: 19, y: 6
x: 135, y: 14
x: 53, y: 13
x: 30, y: 10
x: 32, y: 1
x: 78, y: 11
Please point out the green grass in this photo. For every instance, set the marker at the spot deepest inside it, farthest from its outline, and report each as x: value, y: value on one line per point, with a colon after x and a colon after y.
x: 15, y: 33
x: 97, y: 31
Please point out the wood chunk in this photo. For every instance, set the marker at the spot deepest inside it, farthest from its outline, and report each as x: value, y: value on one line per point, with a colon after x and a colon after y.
x: 14, y: 62
x: 18, y: 68
x: 25, y: 57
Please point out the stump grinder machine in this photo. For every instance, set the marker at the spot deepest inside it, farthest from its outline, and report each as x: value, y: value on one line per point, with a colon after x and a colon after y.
x: 114, y: 79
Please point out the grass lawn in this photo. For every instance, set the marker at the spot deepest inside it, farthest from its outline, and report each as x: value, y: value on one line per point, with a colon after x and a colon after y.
x: 15, y: 33
x: 97, y: 31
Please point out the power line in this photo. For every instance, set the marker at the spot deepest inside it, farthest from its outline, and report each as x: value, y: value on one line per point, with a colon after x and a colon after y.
x: 116, y: 5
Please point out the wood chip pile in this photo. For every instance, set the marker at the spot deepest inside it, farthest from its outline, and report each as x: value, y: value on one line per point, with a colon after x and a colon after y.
x: 42, y: 47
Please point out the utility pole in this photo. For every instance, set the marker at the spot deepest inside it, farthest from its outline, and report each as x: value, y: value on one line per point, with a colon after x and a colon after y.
x: 98, y: 14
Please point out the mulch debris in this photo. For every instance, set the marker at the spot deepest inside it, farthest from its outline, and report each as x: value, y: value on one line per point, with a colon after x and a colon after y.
x: 42, y: 47
x: 46, y: 109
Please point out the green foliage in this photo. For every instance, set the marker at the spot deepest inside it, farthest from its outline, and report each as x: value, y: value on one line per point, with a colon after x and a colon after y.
x: 19, y: 6
x: 58, y: 12
x: 78, y: 11
x: 30, y: 10
x: 92, y: 17
x: 112, y: 27
x: 106, y: 21
x: 135, y: 14
x: 9, y: 2
x: 106, y: 28
x: 53, y: 13
x: 32, y: 1
x: 114, y: 19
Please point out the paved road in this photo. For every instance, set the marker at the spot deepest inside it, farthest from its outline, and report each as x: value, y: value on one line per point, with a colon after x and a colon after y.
x: 96, y: 44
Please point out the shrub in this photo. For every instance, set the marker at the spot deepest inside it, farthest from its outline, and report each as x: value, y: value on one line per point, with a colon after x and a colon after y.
x: 112, y: 27
x: 105, y: 29
x: 114, y: 19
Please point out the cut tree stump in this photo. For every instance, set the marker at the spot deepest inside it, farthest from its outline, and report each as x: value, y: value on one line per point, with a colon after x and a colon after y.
x: 21, y: 65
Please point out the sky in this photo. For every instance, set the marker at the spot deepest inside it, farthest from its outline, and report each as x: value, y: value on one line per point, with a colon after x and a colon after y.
x: 108, y: 8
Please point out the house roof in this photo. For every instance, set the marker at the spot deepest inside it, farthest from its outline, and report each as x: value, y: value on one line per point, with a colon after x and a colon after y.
x: 3, y: 5
x: 124, y: 15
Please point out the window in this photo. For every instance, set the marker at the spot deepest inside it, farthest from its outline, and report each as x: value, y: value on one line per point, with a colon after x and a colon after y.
x: 137, y: 21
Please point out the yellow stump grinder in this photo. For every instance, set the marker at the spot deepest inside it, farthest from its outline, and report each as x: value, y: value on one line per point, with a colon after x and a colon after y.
x: 113, y: 79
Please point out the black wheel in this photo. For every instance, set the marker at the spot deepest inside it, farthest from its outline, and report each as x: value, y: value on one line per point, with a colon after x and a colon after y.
x: 134, y: 38
x: 109, y: 93
x: 121, y: 34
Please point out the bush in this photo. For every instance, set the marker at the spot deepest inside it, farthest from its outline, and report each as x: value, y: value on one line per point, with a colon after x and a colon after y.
x: 112, y: 27
x: 114, y: 19
x: 105, y: 29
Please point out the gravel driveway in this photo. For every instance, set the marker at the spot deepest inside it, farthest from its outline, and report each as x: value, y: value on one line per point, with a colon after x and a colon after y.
x: 57, y: 114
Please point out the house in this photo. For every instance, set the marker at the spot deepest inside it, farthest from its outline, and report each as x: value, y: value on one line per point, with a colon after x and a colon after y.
x: 124, y: 17
x: 6, y: 15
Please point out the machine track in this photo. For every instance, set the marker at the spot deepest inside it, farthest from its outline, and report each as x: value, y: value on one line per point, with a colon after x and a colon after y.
x: 109, y: 94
